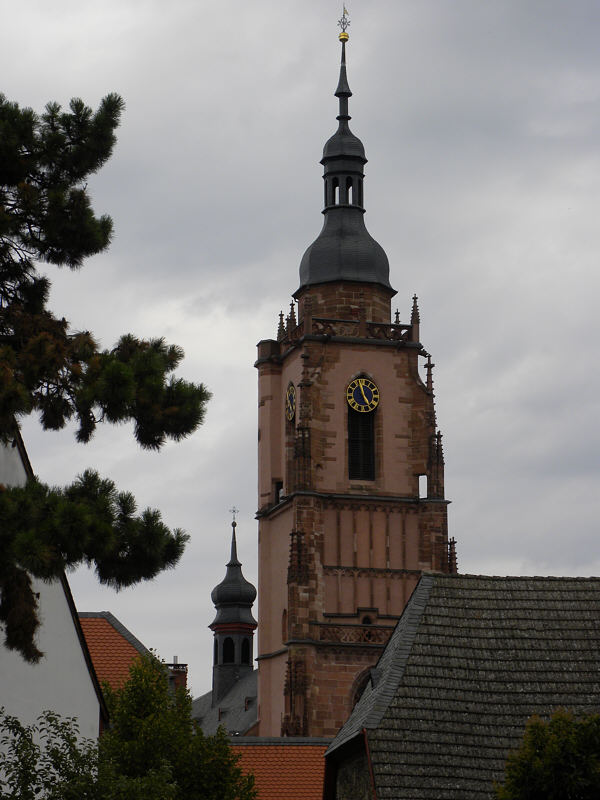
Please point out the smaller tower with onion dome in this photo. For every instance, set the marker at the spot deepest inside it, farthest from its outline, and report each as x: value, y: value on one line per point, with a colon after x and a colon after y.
x: 233, y: 626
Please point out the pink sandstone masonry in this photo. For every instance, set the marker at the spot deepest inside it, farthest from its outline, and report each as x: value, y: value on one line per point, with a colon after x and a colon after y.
x: 339, y: 558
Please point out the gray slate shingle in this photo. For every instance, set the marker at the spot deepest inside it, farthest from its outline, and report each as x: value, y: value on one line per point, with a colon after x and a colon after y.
x: 239, y: 709
x: 471, y: 659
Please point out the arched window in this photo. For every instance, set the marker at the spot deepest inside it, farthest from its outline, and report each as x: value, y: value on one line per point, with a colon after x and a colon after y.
x: 349, y: 191
x: 360, y: 192
x: 361, y: 445
x: 336, y: 191
x: 245, y: 651
x: 228, y: 651
x: 216, y: 653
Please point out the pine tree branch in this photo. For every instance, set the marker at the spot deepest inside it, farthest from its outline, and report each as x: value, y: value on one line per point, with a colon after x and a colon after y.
x: 45, y: 531
x: 46, y: 215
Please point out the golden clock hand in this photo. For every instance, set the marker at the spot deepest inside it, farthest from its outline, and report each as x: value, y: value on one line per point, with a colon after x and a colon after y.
x: 361, y: 383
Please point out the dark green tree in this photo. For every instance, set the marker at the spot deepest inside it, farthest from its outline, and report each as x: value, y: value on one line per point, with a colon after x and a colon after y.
x: 151, y: 729
x: 153, y: 750
x: 45, y: 367
x: 559, y: 759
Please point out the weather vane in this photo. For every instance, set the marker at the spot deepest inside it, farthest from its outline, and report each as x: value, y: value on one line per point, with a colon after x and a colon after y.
x: 343, y: 23
x: 233, y: 510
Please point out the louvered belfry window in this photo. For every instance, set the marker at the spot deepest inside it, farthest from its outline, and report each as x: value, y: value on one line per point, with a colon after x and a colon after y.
x: 228, y: 651
x: 361, y: 445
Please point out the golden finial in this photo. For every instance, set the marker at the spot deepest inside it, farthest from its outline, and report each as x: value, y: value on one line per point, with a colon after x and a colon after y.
x: 343, y: 23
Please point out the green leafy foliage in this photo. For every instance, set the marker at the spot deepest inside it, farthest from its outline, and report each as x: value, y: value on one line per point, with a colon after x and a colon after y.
x: 45, y: 367
x: 47, y: 760
x: 559, y: 759
x: 152, y: 728
x: 153, y: 750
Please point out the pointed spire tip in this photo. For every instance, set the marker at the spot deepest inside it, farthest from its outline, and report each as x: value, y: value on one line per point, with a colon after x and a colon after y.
x: 343, y: 24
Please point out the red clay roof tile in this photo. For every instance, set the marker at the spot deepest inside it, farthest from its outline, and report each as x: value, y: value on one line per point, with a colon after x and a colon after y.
x: 111, y: 653
x: 293, y: 772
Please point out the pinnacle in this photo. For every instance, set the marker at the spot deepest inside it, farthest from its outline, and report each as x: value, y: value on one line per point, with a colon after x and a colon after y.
x: 415, y: 317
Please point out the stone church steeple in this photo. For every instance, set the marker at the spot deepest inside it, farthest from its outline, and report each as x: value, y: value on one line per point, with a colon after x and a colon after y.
x: 344, y: 250
x: 351, y: 503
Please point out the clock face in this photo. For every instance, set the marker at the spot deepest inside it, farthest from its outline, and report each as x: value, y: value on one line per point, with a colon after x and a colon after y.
x: 362, y: 395
x: 290, y: 402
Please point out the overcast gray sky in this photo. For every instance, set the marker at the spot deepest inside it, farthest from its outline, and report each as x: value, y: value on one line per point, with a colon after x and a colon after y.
x: 481, y: 122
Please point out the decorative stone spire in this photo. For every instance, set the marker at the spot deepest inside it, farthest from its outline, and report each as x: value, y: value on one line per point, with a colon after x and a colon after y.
x: 440, y: 447
x: 415, y: 317
x: 429, y: 367
x: 435, y: 484
x: 293, y: 322
x: 344, y: 250
x: 281, y: 328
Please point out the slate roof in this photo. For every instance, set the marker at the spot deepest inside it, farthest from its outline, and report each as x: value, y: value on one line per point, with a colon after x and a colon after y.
x: 284, y: 768
x: 237, y: 711
x: 112, y: 647
x: 471, y: 659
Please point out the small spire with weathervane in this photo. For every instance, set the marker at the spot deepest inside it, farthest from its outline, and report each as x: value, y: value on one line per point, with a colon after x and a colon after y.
x: 233, y: 626
x: 343, y: 24
x: 234, y: 559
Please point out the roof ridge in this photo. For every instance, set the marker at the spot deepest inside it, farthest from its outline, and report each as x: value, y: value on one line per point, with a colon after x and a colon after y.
x: 299, y: 741
x: 118, y: 626
x: 371, y: 707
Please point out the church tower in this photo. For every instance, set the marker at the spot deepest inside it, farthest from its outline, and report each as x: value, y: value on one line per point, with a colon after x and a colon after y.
x: 233, y: 627
x: 351, y: 501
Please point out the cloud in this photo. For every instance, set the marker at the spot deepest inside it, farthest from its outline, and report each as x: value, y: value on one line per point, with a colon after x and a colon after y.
x: 480, y: 122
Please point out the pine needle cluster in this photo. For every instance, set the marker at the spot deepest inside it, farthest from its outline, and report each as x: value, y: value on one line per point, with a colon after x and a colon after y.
x: 46, y: 215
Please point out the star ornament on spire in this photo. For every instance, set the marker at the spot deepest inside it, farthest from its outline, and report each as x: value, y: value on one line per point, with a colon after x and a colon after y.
x: 343, y: 24
x: 233, y: 511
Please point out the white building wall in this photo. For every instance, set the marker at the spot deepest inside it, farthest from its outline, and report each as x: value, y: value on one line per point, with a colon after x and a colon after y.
x: 12, y: 471
x: 61, y: 680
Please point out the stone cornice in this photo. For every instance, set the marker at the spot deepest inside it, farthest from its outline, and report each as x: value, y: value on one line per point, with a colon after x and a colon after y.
x: 275, y: 653
x: 337, y: 498
x: 398, y: 344
x: 379, y: 572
